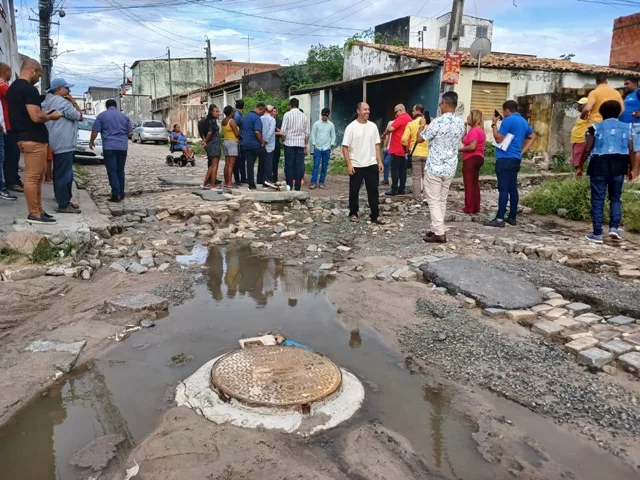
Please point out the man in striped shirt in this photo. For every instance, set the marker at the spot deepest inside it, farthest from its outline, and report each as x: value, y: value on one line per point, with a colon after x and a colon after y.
x: 295, y: 131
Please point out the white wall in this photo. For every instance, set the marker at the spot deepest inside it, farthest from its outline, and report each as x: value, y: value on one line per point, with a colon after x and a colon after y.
x: 364, y: 61
x: 522, y: 82
x: 432, y: 35
x: 8, y: 40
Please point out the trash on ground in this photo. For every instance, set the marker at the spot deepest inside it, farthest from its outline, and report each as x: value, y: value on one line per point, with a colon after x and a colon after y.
x: 270, y: 339
x: 118, y: 337
x: 132, y: 472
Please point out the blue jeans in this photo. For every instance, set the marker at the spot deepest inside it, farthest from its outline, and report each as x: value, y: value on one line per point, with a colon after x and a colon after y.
x: 3, y: 185
x: 63, y: 178
x: 11, y: 160
x: 265, y: 167
x: 294, y: 166
x: 507, y: 172
x: 114, y: 160
x: 599, y: 185
x: 387, y: 166
x: 320, y: 159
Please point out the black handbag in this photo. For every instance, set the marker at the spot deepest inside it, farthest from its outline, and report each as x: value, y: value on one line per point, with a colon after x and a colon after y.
x: 410, y: 155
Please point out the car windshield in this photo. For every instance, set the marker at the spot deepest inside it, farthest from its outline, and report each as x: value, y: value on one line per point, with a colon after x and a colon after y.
x: 86, y: 124
x: 153, y: 124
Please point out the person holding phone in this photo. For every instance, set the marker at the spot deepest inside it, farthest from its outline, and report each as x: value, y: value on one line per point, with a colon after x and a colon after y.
x: 27, y: 121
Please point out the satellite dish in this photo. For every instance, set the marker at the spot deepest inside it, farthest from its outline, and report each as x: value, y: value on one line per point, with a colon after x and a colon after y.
x: 480, y: 48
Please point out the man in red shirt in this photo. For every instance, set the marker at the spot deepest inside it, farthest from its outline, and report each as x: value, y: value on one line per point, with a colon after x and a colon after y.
x: 11, y: 150
x: 396, y: 150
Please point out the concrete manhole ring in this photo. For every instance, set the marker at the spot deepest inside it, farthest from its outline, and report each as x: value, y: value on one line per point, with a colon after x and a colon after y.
x: 276, y: 376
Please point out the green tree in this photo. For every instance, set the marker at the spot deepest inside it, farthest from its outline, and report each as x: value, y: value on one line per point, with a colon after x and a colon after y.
x: 251, y: 101
x: 567, y: 56
x: 325, y: 63
x: 296, y: 76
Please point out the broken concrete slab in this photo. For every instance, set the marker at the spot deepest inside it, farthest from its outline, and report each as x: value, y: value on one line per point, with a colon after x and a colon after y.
x: 97, y: 454
x: 136, y: 302
x: 631, y: 362
x: 25, y: 241
x: 547, y: 328
x: 65, y: 363
x: 595, y: 357
x: 25, y: 272
x: 468, y: 277
x: 257, y: 195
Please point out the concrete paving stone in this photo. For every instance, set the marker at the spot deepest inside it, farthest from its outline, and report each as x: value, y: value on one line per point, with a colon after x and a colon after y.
x: 16, y: 273
x: 545, y: 290
x: 628, y: 329
x: 634, y: 339
x: 542, y: 308
x: 578, y: 308
x: 621, y: 320
x: 136, y: 302
x: 557, y: 302
x: 494, y: 312
x: 595, y: 357
x: 581, y: 344
x: 547, y: 328
x: 137, y: 269
x: 555, y: 313
x: 631, y: 362
x: 567, y: 323
x: 607, y: 335
x: 468, y: 277
x: 466, y: 301
x: 601, y: 327
x: 405, y: 274
x: 552, y: 295
x: 588, y: 319
x: 520, y: 315
x: 576, y: 336
x: 328, y: 266
x: 383, y: 274
x: 617, y: 347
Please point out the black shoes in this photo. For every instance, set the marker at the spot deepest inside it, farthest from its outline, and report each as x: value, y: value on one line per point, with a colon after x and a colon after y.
x: 113, y: 199
x: 511, y: 221
x: 391, y: 193
x: 496, y: 222
x: 5, y: 195
x: 41, y: 220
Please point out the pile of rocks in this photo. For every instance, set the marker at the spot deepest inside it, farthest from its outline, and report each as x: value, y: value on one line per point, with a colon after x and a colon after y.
x: 595, y: 340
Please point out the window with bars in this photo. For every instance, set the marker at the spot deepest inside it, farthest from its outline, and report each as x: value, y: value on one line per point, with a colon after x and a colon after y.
x: 443, y: 32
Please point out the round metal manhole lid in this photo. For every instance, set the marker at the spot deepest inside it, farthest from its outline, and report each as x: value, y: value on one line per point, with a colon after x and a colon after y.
x: 276, y: 376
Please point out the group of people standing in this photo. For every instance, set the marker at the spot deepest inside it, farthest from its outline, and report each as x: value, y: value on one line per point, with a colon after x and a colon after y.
x: 257, y: 136
x: 607, y: 135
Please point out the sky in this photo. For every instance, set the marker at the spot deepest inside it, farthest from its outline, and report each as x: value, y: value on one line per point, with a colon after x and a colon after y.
x: 96, y: 37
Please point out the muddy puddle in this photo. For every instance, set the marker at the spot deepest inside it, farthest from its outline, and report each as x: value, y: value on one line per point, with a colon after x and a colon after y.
x: 126, y: 390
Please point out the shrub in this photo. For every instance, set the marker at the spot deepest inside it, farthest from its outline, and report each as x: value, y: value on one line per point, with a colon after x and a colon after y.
x: 575, y: 197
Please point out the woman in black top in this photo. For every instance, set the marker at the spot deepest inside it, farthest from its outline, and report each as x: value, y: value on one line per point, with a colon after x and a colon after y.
x: 211, y: 145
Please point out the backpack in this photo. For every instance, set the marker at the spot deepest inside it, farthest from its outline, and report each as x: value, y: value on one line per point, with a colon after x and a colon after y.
x: 203, y: 127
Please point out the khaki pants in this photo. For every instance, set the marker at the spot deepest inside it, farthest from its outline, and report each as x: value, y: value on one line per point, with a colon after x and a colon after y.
x: 417, y: 170
x: 35, y: 166
x: 436, y: 190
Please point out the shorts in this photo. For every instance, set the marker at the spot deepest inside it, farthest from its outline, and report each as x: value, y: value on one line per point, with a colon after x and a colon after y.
x: 180, y: 146
x: 635, y: 136
x: 230, y: 148
x: 578, y: 150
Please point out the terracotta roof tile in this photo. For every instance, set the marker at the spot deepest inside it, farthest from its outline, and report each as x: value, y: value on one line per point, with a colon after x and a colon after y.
x: 505, y: 60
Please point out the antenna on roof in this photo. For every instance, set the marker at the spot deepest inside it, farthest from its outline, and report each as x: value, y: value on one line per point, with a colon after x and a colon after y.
x: 481, y: 47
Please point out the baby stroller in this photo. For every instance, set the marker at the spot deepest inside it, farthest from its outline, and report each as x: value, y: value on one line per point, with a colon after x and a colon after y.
x: 181, y: 160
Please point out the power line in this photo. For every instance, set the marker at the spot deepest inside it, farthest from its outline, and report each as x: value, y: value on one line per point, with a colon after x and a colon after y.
x: 422, y: 7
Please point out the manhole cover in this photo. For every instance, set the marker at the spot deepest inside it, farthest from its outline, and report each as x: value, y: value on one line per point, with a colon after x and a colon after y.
x: 276, y: 376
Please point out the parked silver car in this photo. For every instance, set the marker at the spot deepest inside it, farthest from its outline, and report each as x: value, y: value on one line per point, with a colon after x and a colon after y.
x: 150, y: 131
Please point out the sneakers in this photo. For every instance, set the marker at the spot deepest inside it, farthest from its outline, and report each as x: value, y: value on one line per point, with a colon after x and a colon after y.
x: 391, y: 193
x: 5, y: 195
x: 615, y: 234
x: 511, y: 221
x: 592, y: 237
x: 496, y: 222
x: 41, y: 220
x: 68, y: 209
x: 16, y: 188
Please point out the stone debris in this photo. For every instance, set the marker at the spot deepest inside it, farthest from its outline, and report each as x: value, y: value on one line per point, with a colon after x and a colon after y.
x: 494, y: 312
x: 63, y: 365
x: 97, y: 454
x: 631, y: 362
x: 404, y: 274
x: 557, y: 302
x: 577, y: 308
x: 547, y: 328
x: 617, y: 347
x: 567, y: 323
x: 136, y: 302
x: 588, y: 319
x: 25, y: 241
x: 520, y: 315
x: 27, y: 272
x: 621, y: 320
x: 137, y: 268
x: 595, y: 357
x: 327, y: 266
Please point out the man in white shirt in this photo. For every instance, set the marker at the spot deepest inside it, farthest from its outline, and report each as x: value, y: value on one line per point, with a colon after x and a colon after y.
x: 444, y: 136
x: 265, y: 168
x: 295, y: 131
x: 361, y: 151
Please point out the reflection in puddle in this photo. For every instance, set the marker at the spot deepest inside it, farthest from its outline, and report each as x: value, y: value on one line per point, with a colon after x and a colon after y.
x: 197, y: 256
x: 355, y: 340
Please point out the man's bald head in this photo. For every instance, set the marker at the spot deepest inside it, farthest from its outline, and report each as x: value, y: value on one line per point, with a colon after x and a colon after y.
x: 31, y: 70
x: 399, y: 109
x: 5, y: 71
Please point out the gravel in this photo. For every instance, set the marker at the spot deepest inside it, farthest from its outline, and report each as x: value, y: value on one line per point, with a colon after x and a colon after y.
x: 527, y: 370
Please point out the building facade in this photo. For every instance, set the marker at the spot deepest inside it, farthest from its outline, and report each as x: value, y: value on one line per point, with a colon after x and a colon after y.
x: 418, y: 32
x: 151, y: 77
x: 8, y: 39
x: 625, y: 43
x: 228, y: 70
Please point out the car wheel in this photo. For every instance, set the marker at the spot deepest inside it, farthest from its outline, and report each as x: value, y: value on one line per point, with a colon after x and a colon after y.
x: 133, y: 139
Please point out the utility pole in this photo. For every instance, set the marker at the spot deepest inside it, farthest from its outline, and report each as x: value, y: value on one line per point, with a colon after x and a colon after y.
x: 453, y: 41
x: 208, y: 52
x: 248, y: 39
x: 170, y: 84
x: 45, y: 10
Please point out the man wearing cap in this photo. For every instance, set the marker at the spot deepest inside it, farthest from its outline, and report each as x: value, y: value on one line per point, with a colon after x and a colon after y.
x: 578, y: 134
x: 63, y: 138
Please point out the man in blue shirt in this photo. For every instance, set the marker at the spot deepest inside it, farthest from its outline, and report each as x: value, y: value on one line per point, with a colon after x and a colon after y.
x: 517, y: 133
x: 251, y: 140
x: 115, y: 129
x: 631, y: 115
x: 240, y: 167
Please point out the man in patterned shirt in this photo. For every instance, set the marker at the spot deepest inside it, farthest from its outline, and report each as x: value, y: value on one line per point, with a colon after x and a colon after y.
x: 295, y: 132
x: 444, y: 136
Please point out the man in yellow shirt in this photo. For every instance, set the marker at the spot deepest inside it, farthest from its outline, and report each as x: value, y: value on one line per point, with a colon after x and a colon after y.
x: 602, y: 93
x: 578, y: 133
x: 421, y: 152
